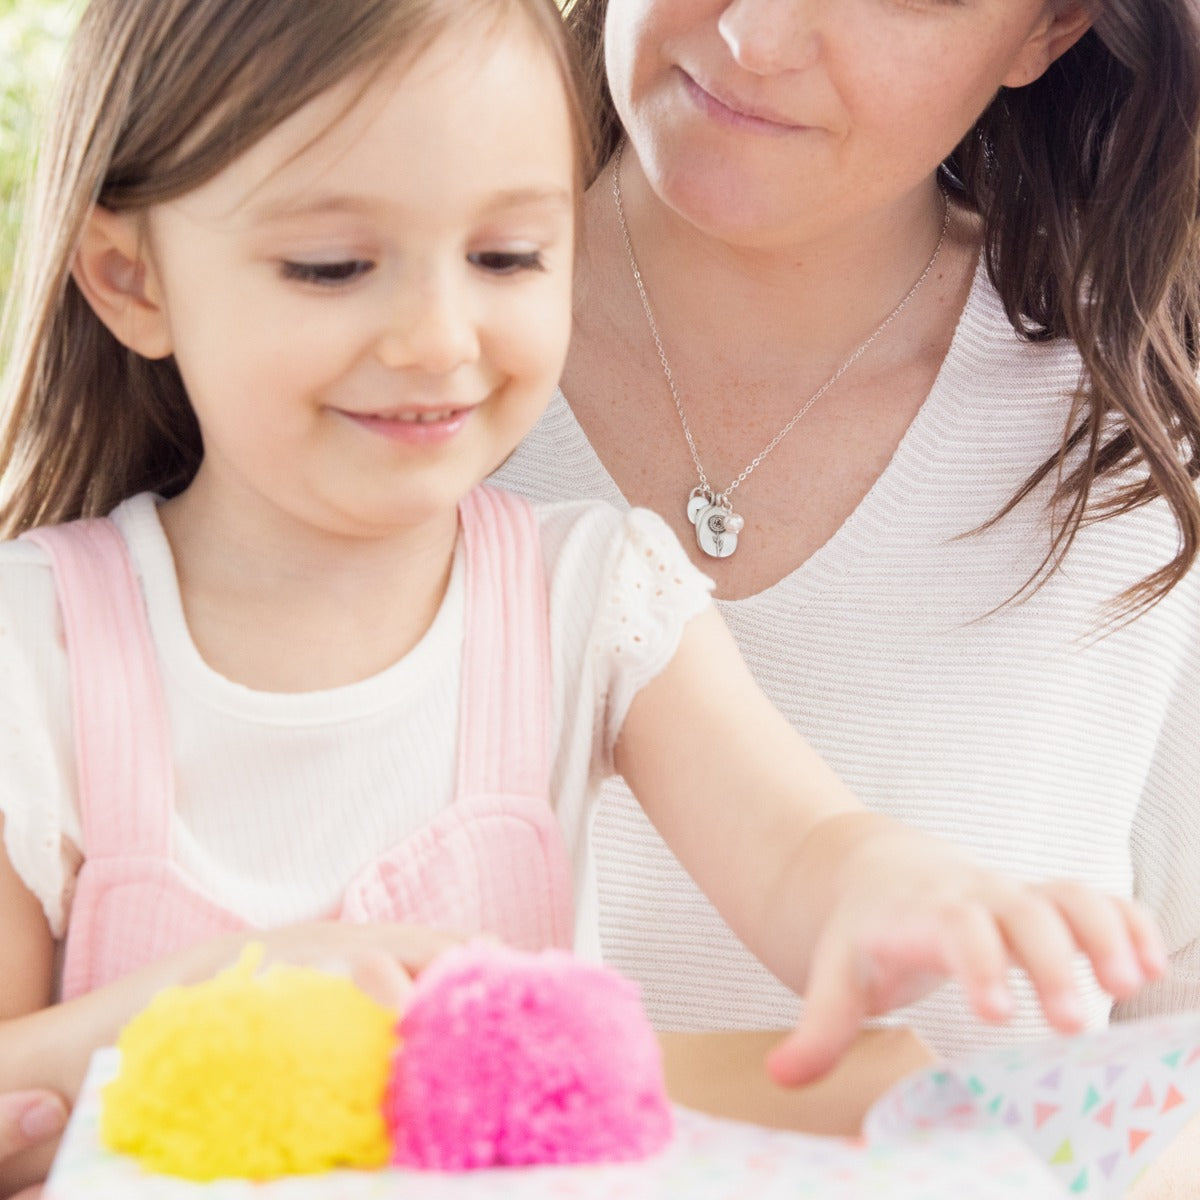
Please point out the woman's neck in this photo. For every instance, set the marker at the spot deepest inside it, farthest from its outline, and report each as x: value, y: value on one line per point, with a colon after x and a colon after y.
x: 805, y: 297
x: 278, y: 605
x: 754, y: 335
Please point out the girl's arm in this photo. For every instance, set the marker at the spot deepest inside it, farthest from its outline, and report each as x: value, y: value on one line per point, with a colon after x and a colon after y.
x: 26, y: 972
x: 855, y: 910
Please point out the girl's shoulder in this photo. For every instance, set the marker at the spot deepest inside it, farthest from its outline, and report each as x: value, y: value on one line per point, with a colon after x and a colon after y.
x: 21, y: 557
x: 28, y: 599
x: 26, y: 584
x: 132, y: 518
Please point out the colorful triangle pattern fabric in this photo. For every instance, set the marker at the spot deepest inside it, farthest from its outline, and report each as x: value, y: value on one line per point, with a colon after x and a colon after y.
x: 1098, y: 1109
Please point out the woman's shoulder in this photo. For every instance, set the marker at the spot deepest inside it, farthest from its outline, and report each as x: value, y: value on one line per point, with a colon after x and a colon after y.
x: 989, y: 350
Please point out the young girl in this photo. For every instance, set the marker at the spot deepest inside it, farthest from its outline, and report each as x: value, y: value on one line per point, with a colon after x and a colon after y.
x: 298, y: 280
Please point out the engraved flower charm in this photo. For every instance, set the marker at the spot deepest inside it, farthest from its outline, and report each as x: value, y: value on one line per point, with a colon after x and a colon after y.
x: 717, y: 529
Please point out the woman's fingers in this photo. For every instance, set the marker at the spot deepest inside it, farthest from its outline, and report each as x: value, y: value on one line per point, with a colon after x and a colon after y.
x: 28, y: 1118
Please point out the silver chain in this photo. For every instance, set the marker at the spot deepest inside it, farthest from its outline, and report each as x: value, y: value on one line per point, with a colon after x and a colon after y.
x: 666, y: 366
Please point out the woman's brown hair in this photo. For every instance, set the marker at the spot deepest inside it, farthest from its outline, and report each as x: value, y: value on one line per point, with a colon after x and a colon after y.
x: 1088, y: 185
x: 156, y: 97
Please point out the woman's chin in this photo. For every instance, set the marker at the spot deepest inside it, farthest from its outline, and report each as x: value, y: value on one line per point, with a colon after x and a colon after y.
x: 730, y: 204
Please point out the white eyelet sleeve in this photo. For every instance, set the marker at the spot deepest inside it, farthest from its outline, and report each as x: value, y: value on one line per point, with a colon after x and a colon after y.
x: 651, y: 593
x: 621, y: 591
x: 37, y: 779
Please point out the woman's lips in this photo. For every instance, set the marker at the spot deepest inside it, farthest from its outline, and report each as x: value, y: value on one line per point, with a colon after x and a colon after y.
x: 735, y: 113
x: 418, y: 427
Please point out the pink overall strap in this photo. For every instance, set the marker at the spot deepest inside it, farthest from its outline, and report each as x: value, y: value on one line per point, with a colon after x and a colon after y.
x: 504, y: 740
x: 122, y: 744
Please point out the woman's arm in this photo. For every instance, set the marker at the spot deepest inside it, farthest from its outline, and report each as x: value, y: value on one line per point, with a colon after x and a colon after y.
x: 857, y: 911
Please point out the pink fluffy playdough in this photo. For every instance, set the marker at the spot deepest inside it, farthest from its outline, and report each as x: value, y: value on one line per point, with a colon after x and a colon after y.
x: 511, y: 1058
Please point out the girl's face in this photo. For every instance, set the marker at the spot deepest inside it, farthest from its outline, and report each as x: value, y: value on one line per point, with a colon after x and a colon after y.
x: 764, y: 120
x: 370, y: 308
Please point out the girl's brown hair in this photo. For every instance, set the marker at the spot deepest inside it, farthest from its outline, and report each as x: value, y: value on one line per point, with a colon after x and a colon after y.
x: 156, y: 97
x: 1088, y: 184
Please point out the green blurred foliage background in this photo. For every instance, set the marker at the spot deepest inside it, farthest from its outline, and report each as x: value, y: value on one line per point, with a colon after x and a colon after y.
x: 33, y: 34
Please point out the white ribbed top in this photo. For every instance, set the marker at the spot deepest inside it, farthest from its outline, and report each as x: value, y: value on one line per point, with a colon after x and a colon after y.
x: 1019, y: 735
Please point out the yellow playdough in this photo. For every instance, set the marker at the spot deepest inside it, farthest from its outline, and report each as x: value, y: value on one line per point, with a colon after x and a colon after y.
x: 254, y: 1076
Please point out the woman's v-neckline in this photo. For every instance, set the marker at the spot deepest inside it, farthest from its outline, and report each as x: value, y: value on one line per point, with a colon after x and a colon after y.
x: 870, y: 518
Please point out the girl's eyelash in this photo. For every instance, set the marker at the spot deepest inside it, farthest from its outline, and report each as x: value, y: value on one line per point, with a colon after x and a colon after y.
x: 333, y: 274
x: 507, y: 262
x: 326, y: 274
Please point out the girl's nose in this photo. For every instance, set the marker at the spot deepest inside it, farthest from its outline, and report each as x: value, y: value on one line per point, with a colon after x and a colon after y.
x: 767, y: 37
x: 430, y: 328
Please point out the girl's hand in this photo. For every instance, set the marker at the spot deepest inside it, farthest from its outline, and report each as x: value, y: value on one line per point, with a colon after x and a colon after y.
x: 381, y: 959
x: 51, y: 1047
x: 910, y: 911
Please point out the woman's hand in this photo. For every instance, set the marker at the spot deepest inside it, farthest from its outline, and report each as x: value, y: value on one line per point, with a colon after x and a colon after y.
x: 28, y: 1119
x: 909, y: 911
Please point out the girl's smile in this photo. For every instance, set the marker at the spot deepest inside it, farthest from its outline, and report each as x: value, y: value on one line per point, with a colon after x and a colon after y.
x: 417, y: 427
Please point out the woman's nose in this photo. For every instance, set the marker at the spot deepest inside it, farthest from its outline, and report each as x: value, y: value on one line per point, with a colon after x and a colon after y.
x: 767, y: 37
x: 431, y: 327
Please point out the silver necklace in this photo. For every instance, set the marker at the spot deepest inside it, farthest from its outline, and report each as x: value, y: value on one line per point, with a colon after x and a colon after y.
x: 711, y: 512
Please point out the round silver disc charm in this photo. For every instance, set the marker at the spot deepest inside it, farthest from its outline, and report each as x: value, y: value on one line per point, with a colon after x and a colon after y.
x: 717, y: 529
x: 698, y: 501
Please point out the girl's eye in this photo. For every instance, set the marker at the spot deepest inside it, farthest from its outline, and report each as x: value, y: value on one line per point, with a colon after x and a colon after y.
x: 507, y: 262
x: 326, y: 274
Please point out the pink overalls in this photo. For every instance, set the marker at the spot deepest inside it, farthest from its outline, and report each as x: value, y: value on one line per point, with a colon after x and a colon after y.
x: 493, y: 862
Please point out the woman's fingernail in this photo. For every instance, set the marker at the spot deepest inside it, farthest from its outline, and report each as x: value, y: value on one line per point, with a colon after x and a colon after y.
x: 42, y: 1119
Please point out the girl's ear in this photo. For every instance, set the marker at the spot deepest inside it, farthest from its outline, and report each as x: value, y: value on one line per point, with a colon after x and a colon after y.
x: 113, y: 273
x: 1062, y: 24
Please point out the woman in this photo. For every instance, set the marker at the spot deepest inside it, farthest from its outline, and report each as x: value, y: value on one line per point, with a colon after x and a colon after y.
x: 888, y: 307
